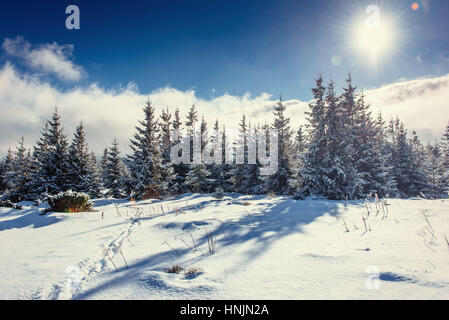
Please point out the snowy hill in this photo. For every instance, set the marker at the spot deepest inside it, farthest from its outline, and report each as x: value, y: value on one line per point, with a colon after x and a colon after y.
x: 241, y: 247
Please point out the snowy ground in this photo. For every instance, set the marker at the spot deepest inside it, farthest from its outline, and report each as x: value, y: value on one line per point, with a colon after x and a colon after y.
x: 265, y: 248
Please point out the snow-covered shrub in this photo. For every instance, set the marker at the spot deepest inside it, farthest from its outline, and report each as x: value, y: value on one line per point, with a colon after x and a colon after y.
x: 9, y: 204
x: 192, y: 272
x: 70, y: 201
x: 219, y: 193
x: 271, y: 194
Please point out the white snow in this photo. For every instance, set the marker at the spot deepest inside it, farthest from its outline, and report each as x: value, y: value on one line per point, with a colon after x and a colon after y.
x: 265, y: 248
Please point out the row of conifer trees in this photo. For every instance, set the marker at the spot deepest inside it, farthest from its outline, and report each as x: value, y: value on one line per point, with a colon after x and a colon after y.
x: 343, y: 152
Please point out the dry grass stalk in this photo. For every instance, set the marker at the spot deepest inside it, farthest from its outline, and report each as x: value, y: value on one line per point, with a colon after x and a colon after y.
x: 107, y: 254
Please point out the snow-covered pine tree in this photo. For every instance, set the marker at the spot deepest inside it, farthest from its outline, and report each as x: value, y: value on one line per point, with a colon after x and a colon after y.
x: 435, y: 187
x: 417, y: 171
x: 51, y: 159
x: 20, y: 177
x: 333, y: 178
x: 104, y: 166
x: 216, y: 169
x: 254, y: 183
x: 198, y: 178
x: 226, y: 167
x: 6, y: 168
x: 401, y: 157
x: 114, y: 173
x: 93, y: 178
x: 386, y: 183
x: 445, y: 160
x: 315, y: 143
x: 347, y: 104
x: 79, y: 161
x: 180, y: 170
x: 370, y: 161
x: 168, y: 176
x: 298, y: 162
x: 192, y: 119
x: 145, y: 163
x: 239, y: 172
x: 282, y: 181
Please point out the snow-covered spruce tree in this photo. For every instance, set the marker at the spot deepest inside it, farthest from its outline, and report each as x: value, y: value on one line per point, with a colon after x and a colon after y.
x: 315, y: 143
x: 82, y: 171
x: 352, y: 187
x: 20, y: 176
x: 51, y: 156
x: 282, y: 181
x: 198, y: 178
x: 145, y: 162
x: 254, y: 183
x: 180, y: 170
x: 386, y: 183
x: 418, y: 174
x: 370, y: 161
x: 225, y: 178
x: 192, y: 119
x: 94, y: 180
x: 114, y: 181
x: 168, y: 176
x: 6, y: 168
x: 333, y: 178
x: 435, y: 187
x: 218, y: 170
x: 104, y: 166
x: 403, y: 159
x: 239, y: 172
x: 298, y: 160
x: 445, y: 160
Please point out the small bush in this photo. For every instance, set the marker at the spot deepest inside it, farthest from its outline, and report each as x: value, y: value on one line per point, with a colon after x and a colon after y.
x: 9, y: 204
x: 192, y: 272
x: 175, y: 269
x: 271, y: 194
x: 70, y: 201
x: 219, y: 193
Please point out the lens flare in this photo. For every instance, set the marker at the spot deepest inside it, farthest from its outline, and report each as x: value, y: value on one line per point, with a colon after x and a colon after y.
x: 415, y: 6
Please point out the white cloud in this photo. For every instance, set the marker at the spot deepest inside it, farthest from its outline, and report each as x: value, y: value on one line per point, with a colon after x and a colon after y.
x: 422, y: 104
x: 26, y: 102
x: 50, y: 58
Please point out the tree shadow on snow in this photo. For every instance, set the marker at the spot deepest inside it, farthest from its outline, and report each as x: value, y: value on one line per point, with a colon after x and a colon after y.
x: 29, y: 218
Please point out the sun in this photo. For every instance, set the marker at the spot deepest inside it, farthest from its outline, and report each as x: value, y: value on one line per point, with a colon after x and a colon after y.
x: 373, y: 40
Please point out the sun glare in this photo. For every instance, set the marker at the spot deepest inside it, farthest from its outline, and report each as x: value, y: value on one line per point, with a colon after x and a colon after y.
x: 373, y: 41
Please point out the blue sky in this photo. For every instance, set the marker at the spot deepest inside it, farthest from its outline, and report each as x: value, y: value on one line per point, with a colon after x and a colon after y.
x: 231, y: 46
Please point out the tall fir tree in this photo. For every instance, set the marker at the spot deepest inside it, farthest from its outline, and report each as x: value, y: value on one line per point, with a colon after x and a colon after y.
x: 181, y: 169
x: 115, y: 173
x: 79, y: 161
x: 315, y: 143
x: 51, y: 159
x: 145, y: 162
x: 445, y: 160
x: 282, y: 181
x: 6, y: 168
x: 168, y: 176
x: 199, y: 178
x: 20, y: 176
